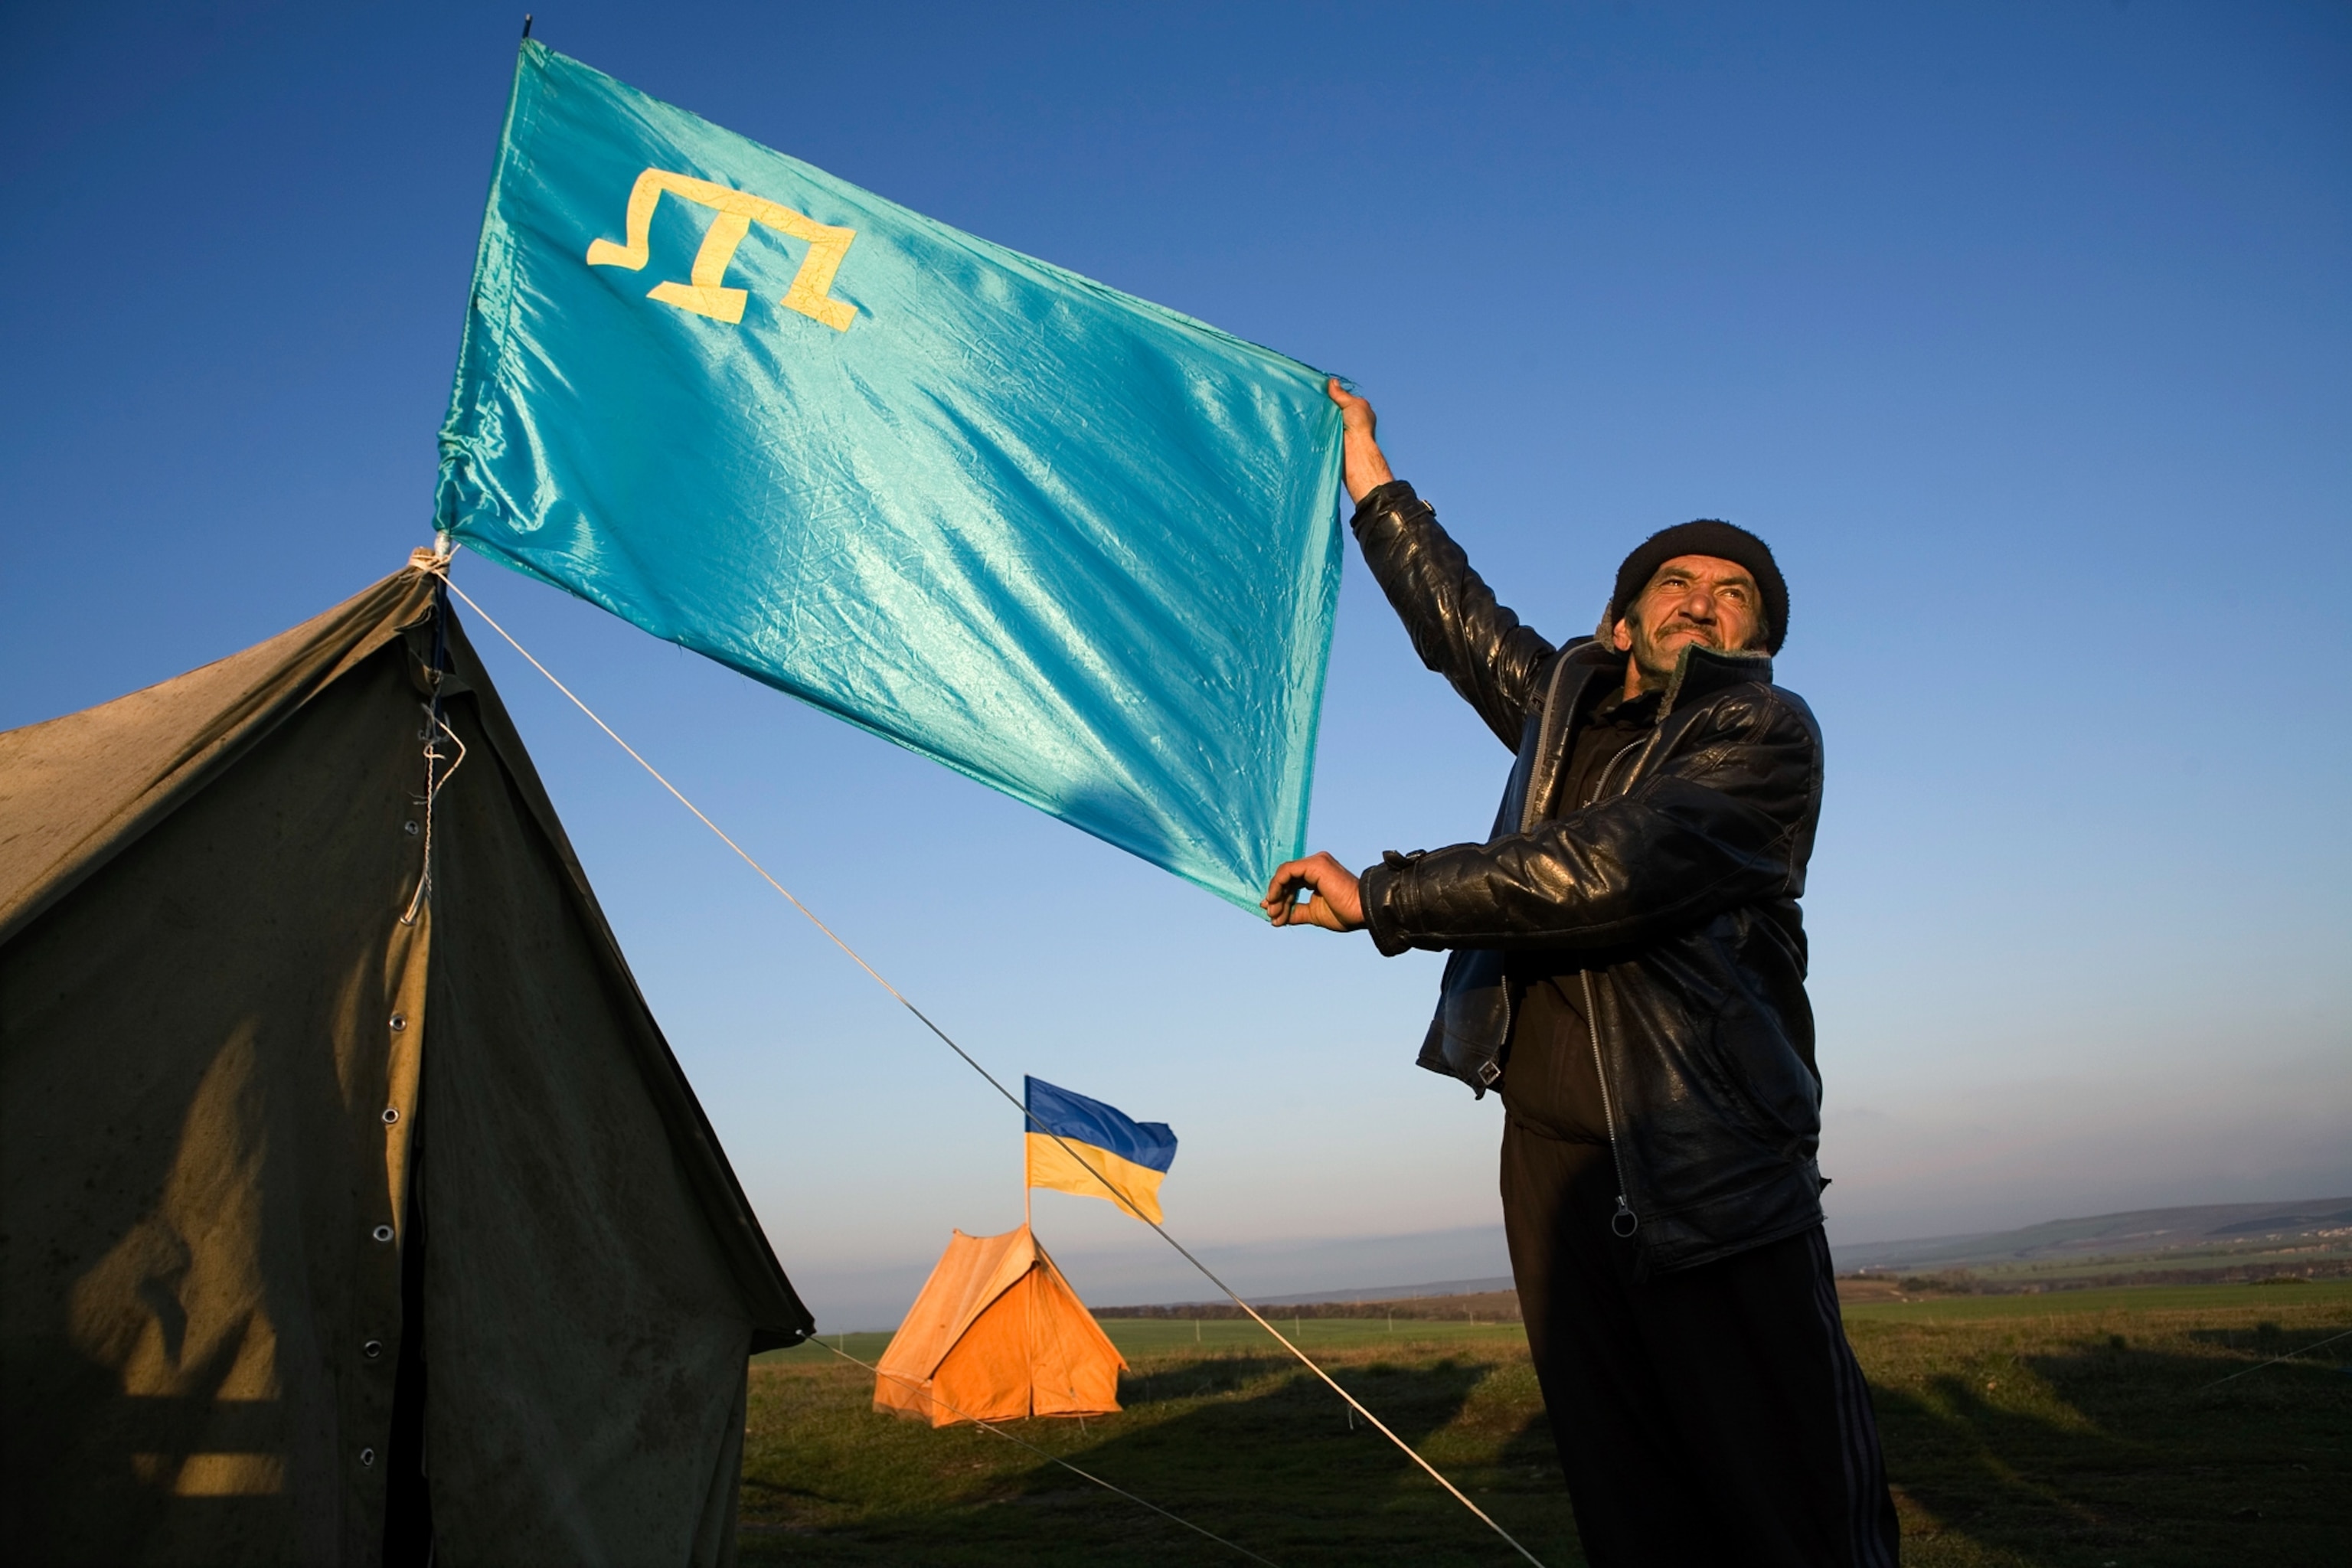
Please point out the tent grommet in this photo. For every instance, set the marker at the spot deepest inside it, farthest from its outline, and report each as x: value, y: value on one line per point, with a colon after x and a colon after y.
x: 382, y: 1232
x: 391, y: 1115
x: 367, y: 1456
x: 372, y: 1350
x: 399, y: 1022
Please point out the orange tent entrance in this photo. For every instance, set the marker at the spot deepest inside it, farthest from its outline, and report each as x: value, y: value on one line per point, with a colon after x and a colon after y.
x: 997, y: 1334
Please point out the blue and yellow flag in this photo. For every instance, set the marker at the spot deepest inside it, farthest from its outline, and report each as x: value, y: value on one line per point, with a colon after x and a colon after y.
x: 1083, y: 1146
x: 1066, y: 541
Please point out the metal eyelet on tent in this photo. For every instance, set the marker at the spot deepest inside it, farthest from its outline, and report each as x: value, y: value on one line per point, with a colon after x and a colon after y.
x: 390, y: 1114
x: 409, y: 827
x: 382, y: 1232
x: 367, y: 1456
x: 400, y: 1021
x: 372, y: 1349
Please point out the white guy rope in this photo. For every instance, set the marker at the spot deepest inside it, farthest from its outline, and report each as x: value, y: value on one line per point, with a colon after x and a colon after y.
x: 1116, y: 1197
x: 2274, y: 1361
x: 1011, y: 1438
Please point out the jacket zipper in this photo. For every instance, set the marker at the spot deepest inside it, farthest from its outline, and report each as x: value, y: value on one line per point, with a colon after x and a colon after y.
x: 1546, y: 734
x: 1507, y: 1011
x: 1624, y: 1222
x: 1549, y: 737
x: 1600, y: 784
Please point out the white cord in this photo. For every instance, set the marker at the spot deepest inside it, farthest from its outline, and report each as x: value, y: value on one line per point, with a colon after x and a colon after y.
x: 1121, y: 1198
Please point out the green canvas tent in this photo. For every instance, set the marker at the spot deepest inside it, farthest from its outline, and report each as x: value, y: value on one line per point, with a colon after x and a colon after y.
x: 329, y: 1235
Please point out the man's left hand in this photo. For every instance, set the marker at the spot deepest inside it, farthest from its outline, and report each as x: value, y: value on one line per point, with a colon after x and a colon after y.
x: 1336, y: 904
x: 1363, y: 469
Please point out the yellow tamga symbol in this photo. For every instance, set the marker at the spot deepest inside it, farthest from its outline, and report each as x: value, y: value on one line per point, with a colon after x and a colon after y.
x: 708, y: 294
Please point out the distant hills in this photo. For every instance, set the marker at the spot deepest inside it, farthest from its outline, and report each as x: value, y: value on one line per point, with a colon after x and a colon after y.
x: 2173, y: 1245
x: 2300, y: 1235
x: 1494, y: 1299
x: 1395, y: 1292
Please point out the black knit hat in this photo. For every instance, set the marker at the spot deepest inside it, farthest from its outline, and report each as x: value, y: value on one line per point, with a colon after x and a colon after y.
x: 1707, y: 536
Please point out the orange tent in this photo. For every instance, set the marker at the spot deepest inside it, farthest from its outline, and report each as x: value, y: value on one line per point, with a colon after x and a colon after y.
x: 997, y: 1334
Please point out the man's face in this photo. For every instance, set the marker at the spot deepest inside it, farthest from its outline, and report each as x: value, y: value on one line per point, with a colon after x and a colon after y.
x: 1701, y: 599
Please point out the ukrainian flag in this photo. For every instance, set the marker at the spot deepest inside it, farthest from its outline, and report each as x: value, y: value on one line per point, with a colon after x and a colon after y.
x: 1083, y: 1146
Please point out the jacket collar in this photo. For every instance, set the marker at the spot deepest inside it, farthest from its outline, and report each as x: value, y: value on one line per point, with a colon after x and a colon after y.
x: 1701, y: 672
x: 1585, y: 669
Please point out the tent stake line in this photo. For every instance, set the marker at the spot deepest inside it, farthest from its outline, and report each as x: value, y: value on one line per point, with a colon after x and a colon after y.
x: 1010, y: 1437
x: 2275, y: 1361
x: 442, y: 569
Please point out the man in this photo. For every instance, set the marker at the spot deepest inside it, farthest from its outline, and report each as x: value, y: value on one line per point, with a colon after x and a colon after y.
x: 1627, y: 971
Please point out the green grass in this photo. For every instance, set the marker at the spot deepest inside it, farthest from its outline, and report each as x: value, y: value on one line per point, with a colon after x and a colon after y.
x: 2125, y: 1297
x: 2061, y: 1430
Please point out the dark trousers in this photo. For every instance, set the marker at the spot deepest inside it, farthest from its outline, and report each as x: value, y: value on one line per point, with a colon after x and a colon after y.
x: 1708, y: 1416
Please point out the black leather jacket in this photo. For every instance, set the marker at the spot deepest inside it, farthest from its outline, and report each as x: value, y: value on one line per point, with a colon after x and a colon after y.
x: 1676, y: 890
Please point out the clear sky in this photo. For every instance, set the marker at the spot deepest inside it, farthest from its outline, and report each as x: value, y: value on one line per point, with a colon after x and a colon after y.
x: 2022, y: 331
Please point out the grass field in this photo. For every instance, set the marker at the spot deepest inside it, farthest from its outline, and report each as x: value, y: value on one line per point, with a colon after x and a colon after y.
x: 2072, y: 1428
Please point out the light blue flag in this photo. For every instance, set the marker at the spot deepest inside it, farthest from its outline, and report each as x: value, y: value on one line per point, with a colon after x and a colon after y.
x: 1075, y: 545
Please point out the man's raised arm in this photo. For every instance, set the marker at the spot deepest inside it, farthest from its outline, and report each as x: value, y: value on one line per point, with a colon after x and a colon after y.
x: 1447, y: 609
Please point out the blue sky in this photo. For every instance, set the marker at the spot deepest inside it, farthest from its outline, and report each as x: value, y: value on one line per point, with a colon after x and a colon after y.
x: 2021, y: 332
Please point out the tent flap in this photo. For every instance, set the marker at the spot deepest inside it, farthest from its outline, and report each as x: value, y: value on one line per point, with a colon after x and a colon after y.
x: 231, y: 1077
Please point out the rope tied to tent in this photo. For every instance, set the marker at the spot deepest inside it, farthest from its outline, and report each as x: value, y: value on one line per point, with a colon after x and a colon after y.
x: 440, y: 567
x: 433, y: 563
x: 436, y: 728
x: 1056, y: 1458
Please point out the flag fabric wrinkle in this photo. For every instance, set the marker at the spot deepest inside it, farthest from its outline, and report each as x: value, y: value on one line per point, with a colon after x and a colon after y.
x: 1075, y: 545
